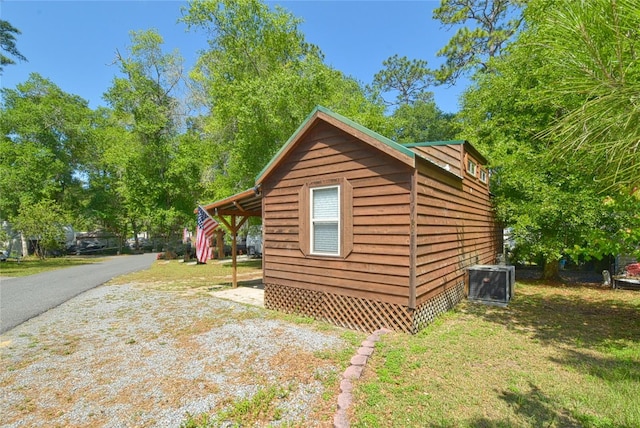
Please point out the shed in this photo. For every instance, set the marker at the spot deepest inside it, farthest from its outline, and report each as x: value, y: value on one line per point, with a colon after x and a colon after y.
x: 367, y: 233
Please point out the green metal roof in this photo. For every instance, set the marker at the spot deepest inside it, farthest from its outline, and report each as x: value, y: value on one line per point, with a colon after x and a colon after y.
x: 434, y: 143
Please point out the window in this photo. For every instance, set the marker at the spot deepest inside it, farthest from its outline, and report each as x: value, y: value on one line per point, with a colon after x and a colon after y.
x: 325, y: 220
x: 471, y: 167
x: 483, y: 175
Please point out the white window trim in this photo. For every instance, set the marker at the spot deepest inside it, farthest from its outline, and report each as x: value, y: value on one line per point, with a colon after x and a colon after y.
x: 472, y: 167
x: 483, y: 175
x: 336, y: 220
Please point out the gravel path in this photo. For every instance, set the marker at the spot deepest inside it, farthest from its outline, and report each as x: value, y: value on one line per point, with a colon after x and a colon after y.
x: 121, y: 356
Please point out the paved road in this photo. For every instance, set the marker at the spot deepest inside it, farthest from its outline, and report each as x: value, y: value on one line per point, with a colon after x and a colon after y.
x: 26, y: 297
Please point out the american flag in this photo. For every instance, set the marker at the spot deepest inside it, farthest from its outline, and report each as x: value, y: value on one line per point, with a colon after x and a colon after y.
x: 206, y: 226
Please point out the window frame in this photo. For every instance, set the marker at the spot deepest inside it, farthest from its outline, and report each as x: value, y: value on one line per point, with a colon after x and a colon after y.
x: 483, y: 176
x: 335, y: 220
x: 346, y: 218
x: 472, y: 167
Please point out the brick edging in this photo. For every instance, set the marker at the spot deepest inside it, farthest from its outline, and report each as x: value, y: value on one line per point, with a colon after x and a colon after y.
x: 354, y: 371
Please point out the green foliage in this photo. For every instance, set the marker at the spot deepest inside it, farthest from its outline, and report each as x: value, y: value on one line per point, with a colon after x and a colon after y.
x: 554, y: 206
x: 422, y: 121
x: 43, y: 221
x: 246, y: 411
x: 260, y: 79
x: 46, y: 137
x: 408, y: 79
x: 107, y: 171
x: 617, y: 231
x: 202, y: 420
x: 594, y: 47
x: 416, y: 117
x: 147, y: 166
x: 493, y: 24
x: 8, y: 44
x: 261, y: 404
x: 528, y: 197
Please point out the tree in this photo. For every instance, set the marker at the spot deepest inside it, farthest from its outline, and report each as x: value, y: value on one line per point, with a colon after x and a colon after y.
x: 144, y: 138
x: 416, y: 117
x: 553, y: 207
x: 45, y: 138
x: 8, y: 44
x: 259, y: 79
x: 44, y: 223
x: 423, y: 121
x: 107, y: 204
x: 408, y: 79
x: 594, y: 47
x: 617, y: 231
x: 494, y: 23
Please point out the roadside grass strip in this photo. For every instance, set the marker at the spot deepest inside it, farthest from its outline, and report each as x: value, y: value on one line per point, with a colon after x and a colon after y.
x: 32, y: 265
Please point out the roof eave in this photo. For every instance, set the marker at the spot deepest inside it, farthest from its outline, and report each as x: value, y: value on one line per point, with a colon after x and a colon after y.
x: 468, y: 147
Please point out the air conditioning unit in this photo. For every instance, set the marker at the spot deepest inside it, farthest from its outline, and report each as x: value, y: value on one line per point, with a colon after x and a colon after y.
x: 492, y: 284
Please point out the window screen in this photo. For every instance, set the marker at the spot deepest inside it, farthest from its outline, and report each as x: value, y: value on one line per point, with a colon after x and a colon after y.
x: 325, y: 220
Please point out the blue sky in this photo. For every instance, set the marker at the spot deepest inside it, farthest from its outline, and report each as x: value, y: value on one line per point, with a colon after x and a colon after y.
x: 73, y: 43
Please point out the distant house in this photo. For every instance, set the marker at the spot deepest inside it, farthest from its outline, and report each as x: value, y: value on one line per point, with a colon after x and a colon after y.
x: 368, y: 233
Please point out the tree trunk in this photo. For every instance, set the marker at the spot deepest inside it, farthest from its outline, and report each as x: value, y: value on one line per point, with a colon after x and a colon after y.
x: 25, y: 245
x: 136, y: 246
x: 551, y: 270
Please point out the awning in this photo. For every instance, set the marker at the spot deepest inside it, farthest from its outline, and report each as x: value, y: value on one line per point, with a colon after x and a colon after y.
x: 244, y: 204
x: 238, y: 208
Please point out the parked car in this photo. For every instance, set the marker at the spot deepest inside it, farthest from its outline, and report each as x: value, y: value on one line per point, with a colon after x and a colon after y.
x: 89, y: 247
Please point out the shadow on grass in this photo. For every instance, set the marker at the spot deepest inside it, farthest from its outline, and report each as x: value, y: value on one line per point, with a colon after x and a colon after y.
x: 598, y: 331
x: 569, y: 318
x: 537, y: 408
x: 610, y: 369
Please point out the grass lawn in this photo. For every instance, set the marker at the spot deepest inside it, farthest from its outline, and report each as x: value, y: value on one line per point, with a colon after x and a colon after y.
x: 557, y: 356
x: 174, y: 275
x: 32, y: 265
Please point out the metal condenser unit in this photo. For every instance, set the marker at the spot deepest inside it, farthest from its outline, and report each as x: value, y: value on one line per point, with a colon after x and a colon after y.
x: 492, y: 284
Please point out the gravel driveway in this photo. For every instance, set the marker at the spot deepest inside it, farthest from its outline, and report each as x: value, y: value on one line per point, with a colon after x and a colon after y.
x: 124, y: 356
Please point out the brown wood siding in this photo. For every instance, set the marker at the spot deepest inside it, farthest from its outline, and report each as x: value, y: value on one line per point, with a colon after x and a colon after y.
x: 456, y: 229
x: 377, y: 267
x: 443, y: 155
